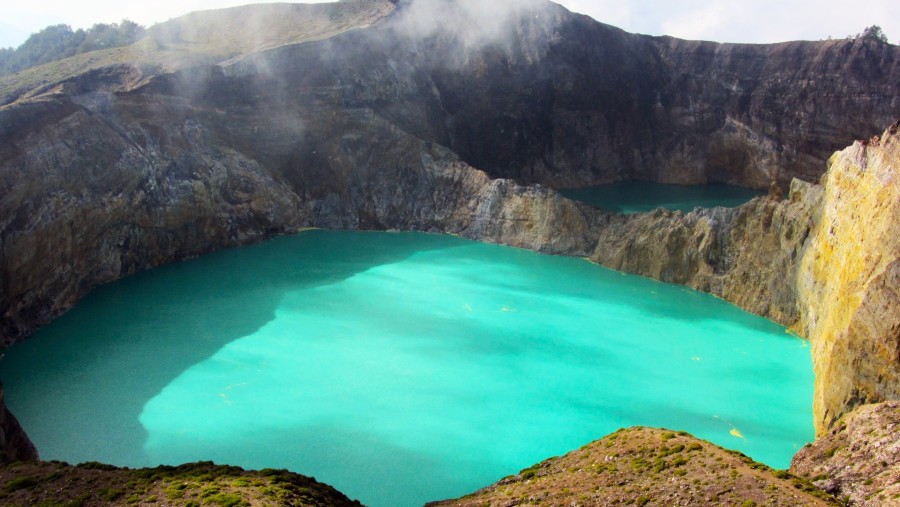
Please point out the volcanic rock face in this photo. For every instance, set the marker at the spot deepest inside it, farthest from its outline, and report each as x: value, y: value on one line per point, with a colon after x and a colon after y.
x: 175, y: 189
x: 544, y: 96
x: 849, y: 280
x: 14, y: 443
x: 125, y: 167
x: 859, y: 459
x: 747, y: 255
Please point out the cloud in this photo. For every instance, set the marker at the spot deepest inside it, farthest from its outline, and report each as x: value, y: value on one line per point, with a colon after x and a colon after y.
x: 699, y: 23
x: 760, y: 21
x: 757, y: 21
x: 612, y: 12
x: 476, y: 21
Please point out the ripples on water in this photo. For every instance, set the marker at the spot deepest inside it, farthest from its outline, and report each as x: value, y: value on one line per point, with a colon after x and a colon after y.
x: 399, y: 367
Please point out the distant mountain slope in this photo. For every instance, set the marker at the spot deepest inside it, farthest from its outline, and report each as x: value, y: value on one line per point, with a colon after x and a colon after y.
x: 355, y: 91
x: 60, y: 41
x: 204, y: 38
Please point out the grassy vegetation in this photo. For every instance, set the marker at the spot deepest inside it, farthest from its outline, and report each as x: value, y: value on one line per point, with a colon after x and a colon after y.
x: 641, y: 466
x: 197, y: 484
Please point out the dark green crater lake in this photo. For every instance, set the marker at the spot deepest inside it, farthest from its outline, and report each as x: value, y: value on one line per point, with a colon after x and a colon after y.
x: 399, y: 367
x: 639, y: 196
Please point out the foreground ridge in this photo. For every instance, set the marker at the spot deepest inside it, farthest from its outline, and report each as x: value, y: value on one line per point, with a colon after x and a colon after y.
x: 95, y: 484
x: 644, y: 466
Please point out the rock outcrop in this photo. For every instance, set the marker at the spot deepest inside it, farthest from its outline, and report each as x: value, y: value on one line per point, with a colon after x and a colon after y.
x: 746, y: 255
x: 14, y: 443
x: 118, y: 166
x: 858, y: 461
x: 849, y: 280
x: 643, y: 466
x: 95, y: 484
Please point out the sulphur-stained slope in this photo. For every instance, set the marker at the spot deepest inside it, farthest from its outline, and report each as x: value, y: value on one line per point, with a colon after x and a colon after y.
x: 849, y: 280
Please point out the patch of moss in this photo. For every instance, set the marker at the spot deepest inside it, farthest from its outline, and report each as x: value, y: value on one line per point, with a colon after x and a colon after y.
x: 25, y: 482
x: 110, y: 494
x: 225, y: 500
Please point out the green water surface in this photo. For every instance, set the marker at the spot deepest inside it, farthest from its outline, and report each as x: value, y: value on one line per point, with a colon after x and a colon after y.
x: 640, y: 196
x: 399, y: 367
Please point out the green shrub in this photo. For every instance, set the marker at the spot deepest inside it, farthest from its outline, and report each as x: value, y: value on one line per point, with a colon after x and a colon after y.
x: 18, y: 483
x: 110, y: 494
x: 225, y: 500
x: 93, y: 465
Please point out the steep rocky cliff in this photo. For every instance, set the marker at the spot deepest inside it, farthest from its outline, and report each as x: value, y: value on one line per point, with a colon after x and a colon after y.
x: 14, y: 443
x: 373, y: 116
x: 540, y: 95
x: 849, y: 280
x: 747, y: 255
x: 858, y: 461
x: 179, y: 187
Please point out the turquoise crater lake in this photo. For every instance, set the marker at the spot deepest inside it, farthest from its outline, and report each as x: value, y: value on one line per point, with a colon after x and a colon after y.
x: 399, y: 367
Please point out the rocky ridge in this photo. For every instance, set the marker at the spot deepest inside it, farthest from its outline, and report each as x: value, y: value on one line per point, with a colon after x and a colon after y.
x: 643, y: 466
x: 381, y: 122
x: 858, y: 461
x: 14, y: 443
x: 747, y: 255
x: 193, y: 484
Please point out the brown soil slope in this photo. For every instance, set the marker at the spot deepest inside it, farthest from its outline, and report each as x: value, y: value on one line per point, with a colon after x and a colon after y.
x: 647, y: 467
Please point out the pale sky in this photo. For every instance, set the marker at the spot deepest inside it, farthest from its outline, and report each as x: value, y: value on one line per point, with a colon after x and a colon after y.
x: 719, y: 20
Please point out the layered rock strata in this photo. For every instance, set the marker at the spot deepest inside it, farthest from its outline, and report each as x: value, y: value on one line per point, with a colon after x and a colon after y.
x: 747, y: 255
x: 848, y: 285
